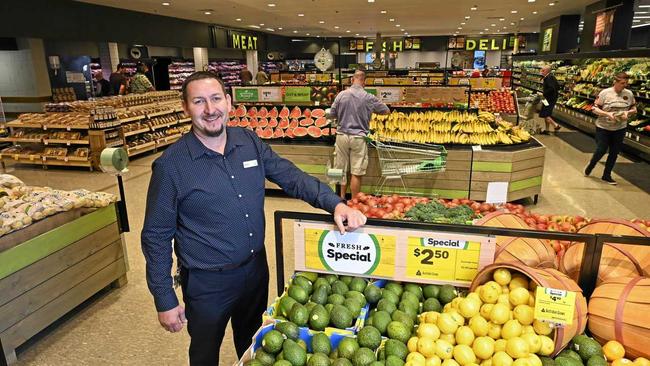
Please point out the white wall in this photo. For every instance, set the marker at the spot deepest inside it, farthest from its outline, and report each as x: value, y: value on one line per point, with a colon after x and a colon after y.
x: 409, y: 59
x: 492, y: 58
x: 23, y: 73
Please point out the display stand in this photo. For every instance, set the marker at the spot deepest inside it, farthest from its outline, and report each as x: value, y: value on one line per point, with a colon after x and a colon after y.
x: 52, y: 266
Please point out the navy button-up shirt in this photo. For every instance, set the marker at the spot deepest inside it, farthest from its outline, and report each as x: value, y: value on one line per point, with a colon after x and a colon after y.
x: 212, y: 205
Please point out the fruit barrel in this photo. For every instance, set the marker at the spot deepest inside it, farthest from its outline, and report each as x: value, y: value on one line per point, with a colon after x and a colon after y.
x: 546, y: 277
x: 618, y: 310
x: 526, y: 251
x: 617, y: 260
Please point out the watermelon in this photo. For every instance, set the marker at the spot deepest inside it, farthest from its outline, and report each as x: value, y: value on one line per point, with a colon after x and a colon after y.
x: 263, y: 122
x: 283, y: 124
x: 254, y: 123
x: 244, y: 122
x: 278, y: 134
x: 273, y: 113
x: 306, y: 122
x: 234, y: 122
x: 259, y: 131
x: 267, y: 133
x: 232, y: 112
x: 273, y: 123
x: 306, y: 113
x: 300, y: 131
x: 294, y: 123
x: 325, y: 131
x: 314, y: 132
x: 333, y: 131
x: 252, y: 113
x: 284, y: 113
x: 321, y: 122
x: 295, y: 112
x: 289, y: 133
x: 318, y: 113
x: 262, y: 113
x: 241, y: 111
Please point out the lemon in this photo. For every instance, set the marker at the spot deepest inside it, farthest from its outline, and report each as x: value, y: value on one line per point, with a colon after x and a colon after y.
x: 505, y: 300
x: 415, y: 358
x: 468, y: 307
x: 613, y: 350
x: 494, y: 331
x: 451, y: 338
x: 490, y: 292
x: 479, y: 325
x: 524, y: 314
x: 450, y: 362
x: 522, y: 362
x: 548, y: 346
x: 641, y: 361
x: 505, y: 290
x: 464, y: 355
x: 447, y: 324
x: 464, y: 335
x: 528, y: 329
x: 447, y: 307
x: 511, y: 329
x: 542, y: 328
x: 518, y: 280
x: 487, y: 362
x: 517, y: 348
x: 474, y: 295
x: 502, y: 276
x: 519, y: 296
x: 534, y: 360
x: 411, y: 363
x: 622, y: 362
x: 483, y: 347
x: 460, y: 320
x: 501, y: 358
x: 444, y: 349
x: 426, y: 347
x: 455, y: 302
x: 431, y: 317
x: 531, y: 299
x: 429, y: 331
x: 412, y: 344
x: 534, y: 343
x: 485, y: 311
x: 500, y: 345
x: 433, y: 361
x: 500, y: 314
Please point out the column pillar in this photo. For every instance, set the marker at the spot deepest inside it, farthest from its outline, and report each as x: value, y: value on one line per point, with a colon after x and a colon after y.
x: 109, y: 57
x: 200, y: 58
x: 252, y: 62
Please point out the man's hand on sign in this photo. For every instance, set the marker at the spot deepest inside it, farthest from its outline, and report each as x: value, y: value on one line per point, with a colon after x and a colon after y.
x: 353, y: 216
x: 173, y: 320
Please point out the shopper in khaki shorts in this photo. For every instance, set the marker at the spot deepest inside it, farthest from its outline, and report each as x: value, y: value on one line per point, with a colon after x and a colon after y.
x: 353, y: 108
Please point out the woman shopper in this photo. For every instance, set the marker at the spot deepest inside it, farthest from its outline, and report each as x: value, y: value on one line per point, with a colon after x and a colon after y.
x: 551, y: 91
x: 614, y: 106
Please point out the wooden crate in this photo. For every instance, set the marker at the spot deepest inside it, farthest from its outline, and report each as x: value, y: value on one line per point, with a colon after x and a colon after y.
x: 59, y: 263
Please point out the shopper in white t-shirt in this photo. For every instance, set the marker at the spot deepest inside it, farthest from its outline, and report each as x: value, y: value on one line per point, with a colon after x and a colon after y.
x: 614, y: 106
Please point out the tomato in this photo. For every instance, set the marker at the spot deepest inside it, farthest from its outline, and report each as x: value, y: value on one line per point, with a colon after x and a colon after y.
x: 387, y: 216
x: 455, y: 201
x: 380, y: 213
x: 371, y: 202
x: 406, y: 201
x: 475, y: 206
x: 485, y: 207
x: 399, y: 206
x: 355, y: 201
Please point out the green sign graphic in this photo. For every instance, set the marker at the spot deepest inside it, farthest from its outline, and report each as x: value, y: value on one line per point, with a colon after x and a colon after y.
x: 246, y: 95
x: 372, y: 91
x: 352, y: 253
x: 297, y: 94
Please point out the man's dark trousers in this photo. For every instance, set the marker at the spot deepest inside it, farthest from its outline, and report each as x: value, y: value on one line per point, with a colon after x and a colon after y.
x: 214, y: 297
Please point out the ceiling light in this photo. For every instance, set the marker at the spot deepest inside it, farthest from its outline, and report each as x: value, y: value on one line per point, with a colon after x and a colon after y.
x: 481, y: 32
x: 270, y: 29
x: 207, y: 13
x: 486, y: 29
x: 317, y: 36
x: 356, y: 34
x: 391, y: 20
x: 512, y: 23
x: 383, y: 11
x: 336, y: 27
x: 513, y: 12
x: 402, y: 30
x: 307, y: 34
x: 301, y: 15
x: 165, y: 4
x: 295, y: 31
x: 644, y: 6
x: 261, y: 24
x: 254, y: 26
x: 347, y: 31
x: 493, y: 25
x: 521, y: 18
x: 238, y: 19
x: 397, y: 25
x: 640, y: 25
x: 636, y: 21
x: 462, y: 23
x: 531, y: 1
x: 270, y: 5
x: 467, y: 17
x: 473, y: 7
x: 321, y: 21
x: 502, y: 19
x: 642, y: 17
x: 371, y: 1
x: 459, y: 28
x: 534, y: 12
x: 340, y: 37
x: 638, y: 12
x: 551, y: 4
x: 279, y: 28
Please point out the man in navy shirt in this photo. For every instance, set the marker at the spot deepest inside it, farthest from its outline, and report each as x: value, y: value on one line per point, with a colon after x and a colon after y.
x: 207, y: 194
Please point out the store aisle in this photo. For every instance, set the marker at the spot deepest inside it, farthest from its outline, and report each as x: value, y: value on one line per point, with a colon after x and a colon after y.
x: 119, y: 327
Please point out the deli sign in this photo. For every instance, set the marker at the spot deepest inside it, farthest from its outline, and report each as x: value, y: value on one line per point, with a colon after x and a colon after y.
x: 242, y: 41
x: 488, y: 43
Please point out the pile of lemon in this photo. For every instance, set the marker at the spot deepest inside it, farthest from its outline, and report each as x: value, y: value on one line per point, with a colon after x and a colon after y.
x: 492, y: 326
x: 615, y: 355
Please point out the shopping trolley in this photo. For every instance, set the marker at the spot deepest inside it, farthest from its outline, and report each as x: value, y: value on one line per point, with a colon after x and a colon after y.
x: 527, y: 115
x: 398, y: 159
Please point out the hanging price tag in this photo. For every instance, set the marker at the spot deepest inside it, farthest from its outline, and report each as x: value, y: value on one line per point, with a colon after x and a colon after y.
x: 555, y: 306
x: 442, y: 259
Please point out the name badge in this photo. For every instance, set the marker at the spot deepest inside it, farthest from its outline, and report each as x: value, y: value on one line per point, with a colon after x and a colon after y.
x: 250, y: 163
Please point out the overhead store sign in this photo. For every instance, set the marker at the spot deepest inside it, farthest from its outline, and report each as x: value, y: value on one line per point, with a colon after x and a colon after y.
x: 242, y: 41
x: 390, y: 45
x: 486, y: 43
x: 400, y: 254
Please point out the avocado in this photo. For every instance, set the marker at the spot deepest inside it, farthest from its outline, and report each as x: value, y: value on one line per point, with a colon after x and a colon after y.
x: 386, y: 305
x: 596, y: 361
x: 414, y: 289
x: 336, y: 299
x: 399, y: 331
x: 570, y: 354
x: 320, y: 343
x: 396, y: 348
x: 285, y: 306
x: 347, y: 347
x: 272, y: 341
x: 341, y: 317
x: 369, y: 337
x: 319, y: 318
x: 431, y: 304
x: 358, y: 284
x: 372, y: 293
x: 319, y: 296
x: 298, y: 293
x: 342, y: 362
x: 394, y: 361
x: 430, y: 291
x: 319, y: 359
x: 346, y: 279
x: 390, y: 296
x: 363, y: 357
x: 289, y: 329
x: 339, y: 287
x: 303, y: 282
x: 354, y: 306
x: 566, y: 361
x: 311, y: 276
x: 352, y: 294
x: 299, y: 315
x: 586, y: 347
x: 380, y: 320
x: 264, y: 357
x: 294, y: 353
x: 395, y: 287
x: 331, y: 278
x: 447, y: 293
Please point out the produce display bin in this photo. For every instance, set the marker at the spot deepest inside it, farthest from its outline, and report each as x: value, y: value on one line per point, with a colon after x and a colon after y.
x: 53, y: 265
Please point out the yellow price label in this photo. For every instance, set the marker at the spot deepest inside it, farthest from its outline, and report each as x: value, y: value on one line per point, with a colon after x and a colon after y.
x: 442, y: 259
x: 555, y: 306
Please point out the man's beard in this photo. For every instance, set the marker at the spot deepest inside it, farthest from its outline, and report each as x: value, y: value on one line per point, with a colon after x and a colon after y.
x: 213, y: 133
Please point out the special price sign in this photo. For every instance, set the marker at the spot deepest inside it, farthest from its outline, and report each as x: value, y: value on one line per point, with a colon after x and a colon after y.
x: 393, y: 253
x: 554, y: 305
x: 442, y: 259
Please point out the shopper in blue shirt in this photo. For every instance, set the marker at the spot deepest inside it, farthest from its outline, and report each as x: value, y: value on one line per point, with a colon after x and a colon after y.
x: 207, y: 195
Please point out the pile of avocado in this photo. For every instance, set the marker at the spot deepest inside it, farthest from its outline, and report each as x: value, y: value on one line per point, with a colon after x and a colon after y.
x: 318, y: 301
x: 582, y: 351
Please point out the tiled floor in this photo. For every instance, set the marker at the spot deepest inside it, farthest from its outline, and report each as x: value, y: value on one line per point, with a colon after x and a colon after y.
x: 120, y: 327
